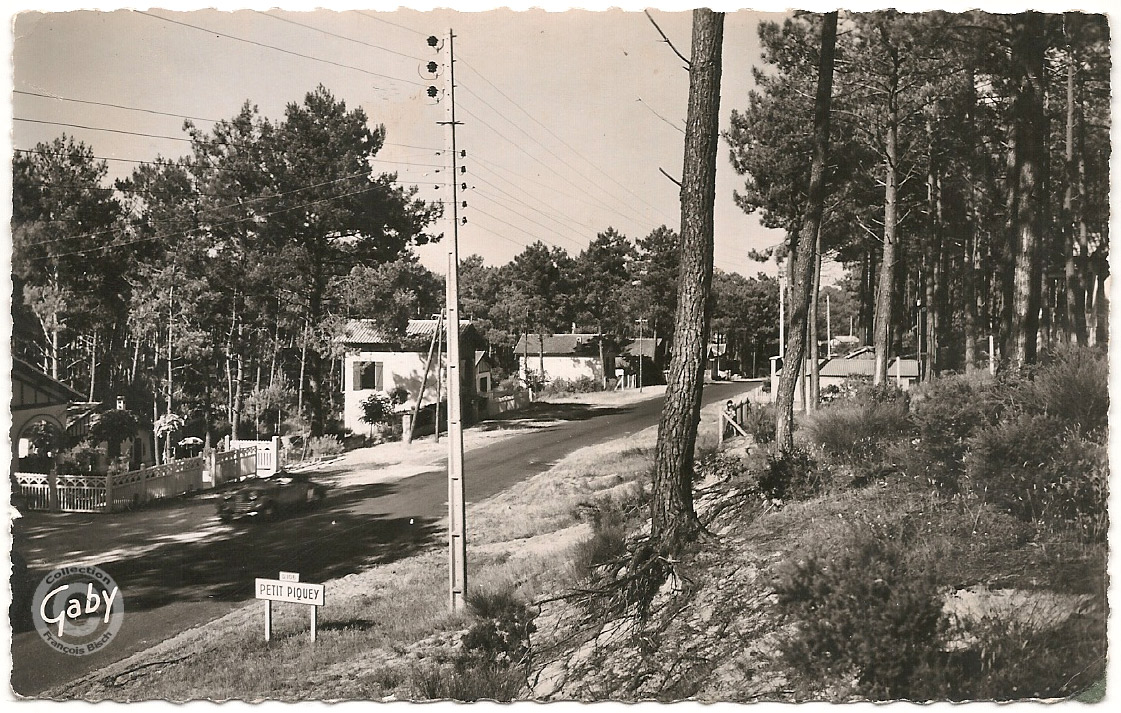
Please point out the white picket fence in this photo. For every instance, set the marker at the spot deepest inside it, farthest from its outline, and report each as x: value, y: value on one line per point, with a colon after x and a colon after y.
x: 109, y: 493
x: 231, y: 465
x: 270, y: 457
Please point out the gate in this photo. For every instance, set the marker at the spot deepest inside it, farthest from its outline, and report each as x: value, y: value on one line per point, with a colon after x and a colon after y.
x: 270, y: 458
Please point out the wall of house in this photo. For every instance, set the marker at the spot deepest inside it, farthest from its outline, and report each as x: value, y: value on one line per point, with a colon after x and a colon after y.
x: 398, y: 370
x: 563, y: 367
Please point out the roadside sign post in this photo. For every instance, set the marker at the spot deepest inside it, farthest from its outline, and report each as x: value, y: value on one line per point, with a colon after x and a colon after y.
x: 289, y: 589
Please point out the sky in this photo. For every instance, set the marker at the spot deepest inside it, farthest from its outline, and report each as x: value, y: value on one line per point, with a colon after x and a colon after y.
x: 567, y: 118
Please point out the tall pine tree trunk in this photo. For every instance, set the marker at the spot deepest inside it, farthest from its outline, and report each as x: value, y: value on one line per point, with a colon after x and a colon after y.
x: 806, y: 247
x: 673, y: 520
x: 814, y: 397
x: 1028, y: 117
x: 885, y: 291
x: 1075, y: 313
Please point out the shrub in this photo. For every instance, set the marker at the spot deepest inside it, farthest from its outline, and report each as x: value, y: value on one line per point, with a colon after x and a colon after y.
x: 79, y: 460
x: 501, y: 636
x: 607, y: 543
x: 948, y: 412
x: 790, y: 475
x: 1071, y: 386
x: 318, y: 446
x: 581, y: 385
x: 854, y: 431
x: 859, y: 389
x: 1014, y: 662
x: 862, y: 615
x: 1032, y: 467
x: 761, y: 423
x: 378, y: 406
x: 718, y: 466
x: 465, y: 682
x: 492, y: 663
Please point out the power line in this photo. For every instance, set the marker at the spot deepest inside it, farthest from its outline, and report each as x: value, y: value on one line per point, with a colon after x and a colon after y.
x: 534, y: 140
x: 550, y: 132
x: 98, y: 128
x: 341, y: 37
x: 501, y: 236
x: 280, y: 49
x: 114, y: 106
x: 161, y: 136
x: 523, y: 177
x: 241, y: 202
x: 181, y: 138
x: 535, y: 222
x: 573, y: 226
x: 518, y: 228
x: 394, y: 24
x: 602, y: 205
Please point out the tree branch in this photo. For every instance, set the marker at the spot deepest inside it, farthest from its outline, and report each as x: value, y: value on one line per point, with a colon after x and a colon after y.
x: 684, y: 59
x: 669, y: 176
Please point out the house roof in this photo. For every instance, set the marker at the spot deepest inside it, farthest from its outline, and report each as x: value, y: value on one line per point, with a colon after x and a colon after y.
x: 366, y: 331
x: 555, y: 344
x: 51, y: 390
x: 908, y: 368
x: 644, y: 346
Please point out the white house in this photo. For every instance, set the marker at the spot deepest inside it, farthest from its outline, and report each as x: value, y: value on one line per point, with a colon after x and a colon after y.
x: 376, y: 360
x: 562, y: 356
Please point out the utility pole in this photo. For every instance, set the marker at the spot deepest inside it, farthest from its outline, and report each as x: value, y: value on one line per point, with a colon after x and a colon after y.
x: 641, y: 322
x: 457, y: 527
x: 828, y: 330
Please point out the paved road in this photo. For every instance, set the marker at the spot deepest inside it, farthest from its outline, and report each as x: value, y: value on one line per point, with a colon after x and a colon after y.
x: 177, y: 567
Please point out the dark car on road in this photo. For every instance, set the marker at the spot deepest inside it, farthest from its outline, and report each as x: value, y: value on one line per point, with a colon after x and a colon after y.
x: 265, y: 498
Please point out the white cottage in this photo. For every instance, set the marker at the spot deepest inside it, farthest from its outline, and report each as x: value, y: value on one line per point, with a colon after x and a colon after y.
x: 377, y: 360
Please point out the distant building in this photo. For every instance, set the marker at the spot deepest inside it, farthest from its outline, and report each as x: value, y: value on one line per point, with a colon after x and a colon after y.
x: 859, y: 364
x: 376, y: 360
x: 648, y: 351
x: 563, y: 356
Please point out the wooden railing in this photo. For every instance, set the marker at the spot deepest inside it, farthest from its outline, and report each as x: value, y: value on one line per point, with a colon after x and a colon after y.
x: 733, y: 419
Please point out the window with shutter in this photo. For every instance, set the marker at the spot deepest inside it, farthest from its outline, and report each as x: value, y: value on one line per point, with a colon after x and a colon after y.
x: 356, y: 375
x: 368, y: 375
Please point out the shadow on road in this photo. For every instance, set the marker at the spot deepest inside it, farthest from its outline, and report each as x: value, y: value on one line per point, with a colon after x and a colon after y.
x: 543, y: 415
x: 323, y: 544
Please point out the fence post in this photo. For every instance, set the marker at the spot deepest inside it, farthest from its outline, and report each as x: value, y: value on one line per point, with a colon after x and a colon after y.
x: 277, y: 462
x: 52, y: 489
x: 108, y: 493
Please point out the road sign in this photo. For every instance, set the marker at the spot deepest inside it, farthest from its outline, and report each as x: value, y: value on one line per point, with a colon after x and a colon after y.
x: 277, y: 590
x: 289, y: 589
